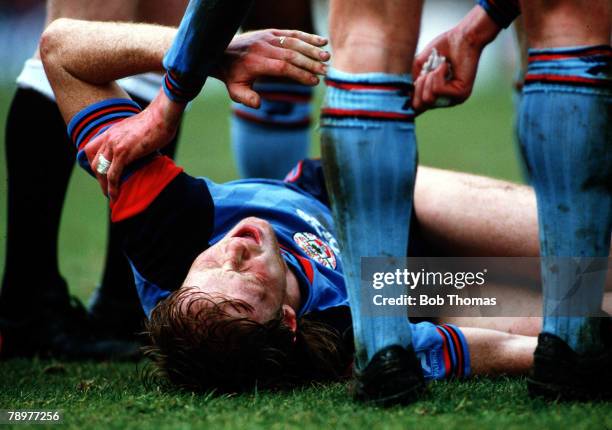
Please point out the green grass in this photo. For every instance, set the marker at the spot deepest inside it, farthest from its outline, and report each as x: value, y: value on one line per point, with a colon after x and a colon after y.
x: 112, y: 396
x: 475, y: 137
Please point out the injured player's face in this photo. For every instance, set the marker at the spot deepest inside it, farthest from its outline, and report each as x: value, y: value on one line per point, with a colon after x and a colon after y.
x: 246, y: 265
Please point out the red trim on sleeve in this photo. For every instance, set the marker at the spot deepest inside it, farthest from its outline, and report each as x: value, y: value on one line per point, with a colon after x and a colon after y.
x: 143, y: 187
x: 445, y: 348
x: 458, y: 349
x: 295, y: 173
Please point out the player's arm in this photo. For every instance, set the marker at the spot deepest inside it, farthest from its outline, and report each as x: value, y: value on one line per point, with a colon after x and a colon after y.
x: 205, y: 31
x: 159, y: 205
x: 83, y: 58
x: 462, y: 47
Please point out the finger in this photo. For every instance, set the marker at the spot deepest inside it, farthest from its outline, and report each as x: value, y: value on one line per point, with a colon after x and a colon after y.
x: 438, y: 80
x: 299, y: 60
x: 417, y: 97
x: 106, y: 152
x: 103, y: 182
x: 305, y: 48
x: 241, y: 93
x: 428, y: 95
x: 273, y: 67
x: 94, y: 146
x: 312, y: 39
x: 455, y: 90
x: 114, y: 177
x: 419, y: 61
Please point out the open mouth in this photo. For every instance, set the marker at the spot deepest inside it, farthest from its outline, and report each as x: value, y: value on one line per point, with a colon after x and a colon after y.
x: 249, y: 232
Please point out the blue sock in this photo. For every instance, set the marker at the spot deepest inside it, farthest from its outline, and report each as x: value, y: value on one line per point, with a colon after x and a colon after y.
x: 369, y: 154
x: 517, y: 98
x: 566, y: 130
x: 269, y: 141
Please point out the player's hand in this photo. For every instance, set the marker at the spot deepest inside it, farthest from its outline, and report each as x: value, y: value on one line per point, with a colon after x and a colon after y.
x: 289, y: 54
x: 133, y: 138
x: 462, y: 47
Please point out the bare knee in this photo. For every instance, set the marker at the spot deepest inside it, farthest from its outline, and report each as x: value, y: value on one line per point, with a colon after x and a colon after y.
x: 566, y: 22
x: 374, y: 35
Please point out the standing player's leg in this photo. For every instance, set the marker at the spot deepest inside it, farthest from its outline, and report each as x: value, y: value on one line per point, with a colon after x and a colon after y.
x: 566, y: 128
x: 517, y: 88
x: 269, y: 141
x: 36, y: 189
x: 37, y: 315
x: 369, y: 154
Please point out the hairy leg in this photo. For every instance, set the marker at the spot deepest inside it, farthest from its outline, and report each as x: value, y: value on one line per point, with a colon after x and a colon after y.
x: 560, y: 23
x: 517, y: 89
x: 494, y: 352
x: 470, y: 215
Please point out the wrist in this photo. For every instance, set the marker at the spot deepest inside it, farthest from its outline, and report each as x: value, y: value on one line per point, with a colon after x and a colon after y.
x: 166, y: 112
x: 477, y: 28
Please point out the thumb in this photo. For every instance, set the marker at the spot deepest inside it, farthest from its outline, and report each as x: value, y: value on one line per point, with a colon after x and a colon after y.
x: 453, y: 88
x: 241, y: 93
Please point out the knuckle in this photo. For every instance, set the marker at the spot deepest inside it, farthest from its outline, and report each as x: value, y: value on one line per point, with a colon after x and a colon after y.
x: 249, y: 62
x: 281, y: 67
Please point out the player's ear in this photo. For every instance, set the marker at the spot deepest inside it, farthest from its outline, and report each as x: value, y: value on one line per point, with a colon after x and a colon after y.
x: 289, y: 318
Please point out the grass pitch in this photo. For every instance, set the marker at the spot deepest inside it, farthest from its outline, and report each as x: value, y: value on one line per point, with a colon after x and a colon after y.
x: 475, y: 137
x: 112, y: 396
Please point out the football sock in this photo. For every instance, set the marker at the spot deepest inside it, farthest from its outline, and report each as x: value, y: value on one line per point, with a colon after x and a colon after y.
x: 39, y: 164
x: 566, y: 129
x: 517, y: 97
x: 369, y: 154
x: 269, y: 141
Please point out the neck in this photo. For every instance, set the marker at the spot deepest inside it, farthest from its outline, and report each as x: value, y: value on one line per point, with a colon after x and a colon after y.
x: 294, y: 296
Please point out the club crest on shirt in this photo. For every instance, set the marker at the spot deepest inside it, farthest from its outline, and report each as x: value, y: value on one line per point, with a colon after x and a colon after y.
x: 316, y: 249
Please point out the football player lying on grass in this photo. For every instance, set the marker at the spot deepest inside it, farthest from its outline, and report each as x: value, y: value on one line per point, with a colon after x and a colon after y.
x: 242, y: 282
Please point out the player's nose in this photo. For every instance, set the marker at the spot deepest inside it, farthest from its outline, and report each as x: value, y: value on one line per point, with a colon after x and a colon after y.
x: 237, y: 252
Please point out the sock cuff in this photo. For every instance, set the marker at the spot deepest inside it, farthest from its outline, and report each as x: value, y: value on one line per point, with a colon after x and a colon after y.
x: 565, y: 52
x: 284, y: 105
x: 374, y: 78
x: 96, y: 118
x: 367, y: 96
x: 582, y: 66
